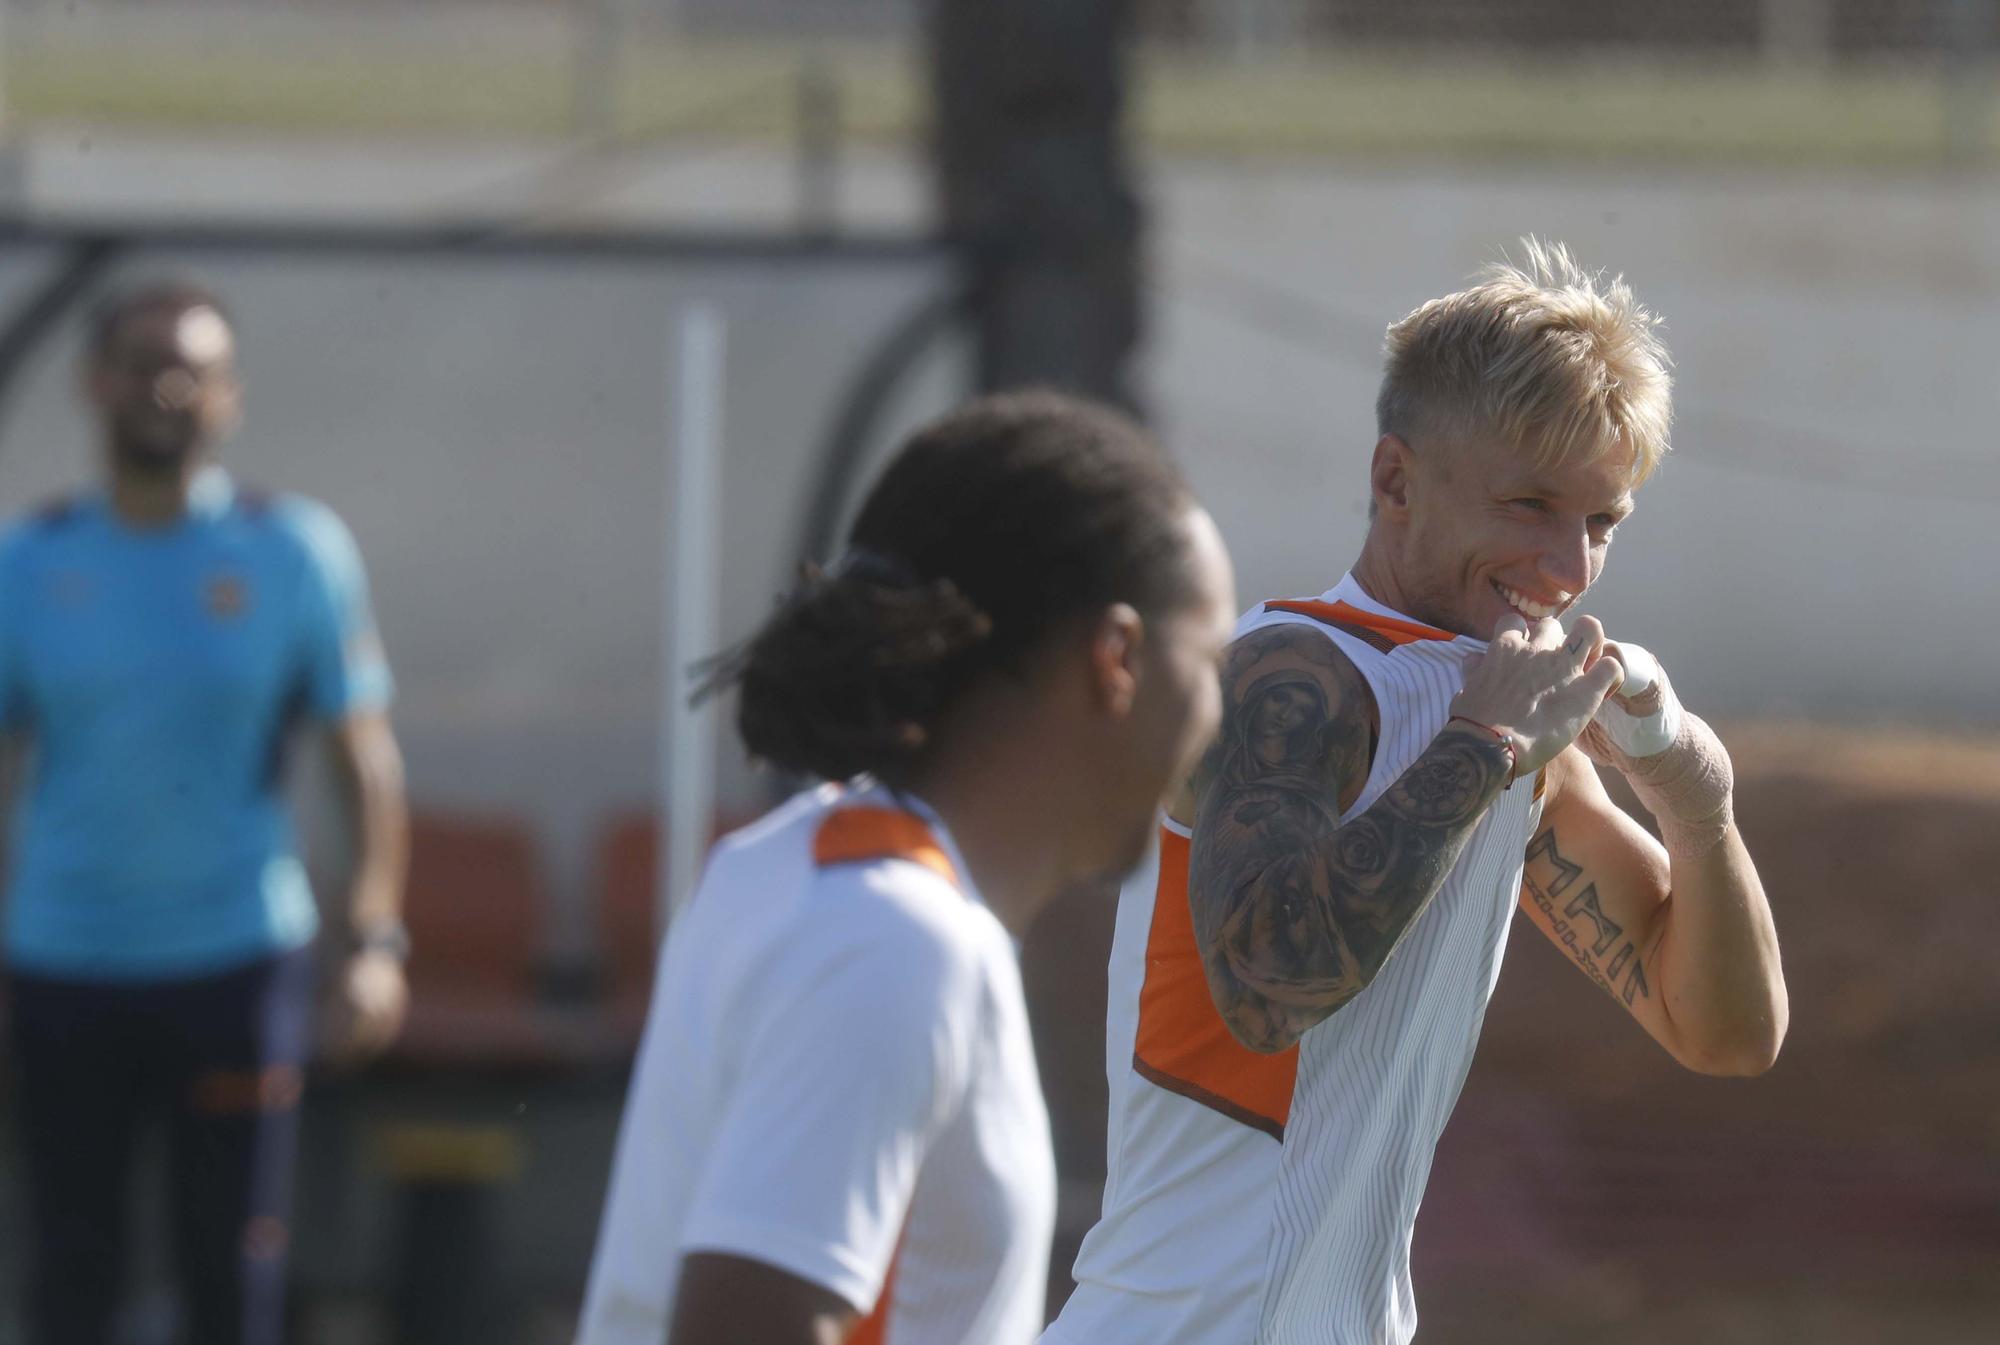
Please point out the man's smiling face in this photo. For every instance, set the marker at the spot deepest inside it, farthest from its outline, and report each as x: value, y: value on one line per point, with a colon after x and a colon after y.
x: 1490, y: 531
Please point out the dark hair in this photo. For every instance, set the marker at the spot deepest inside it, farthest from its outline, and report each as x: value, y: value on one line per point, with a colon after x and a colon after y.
x: 110, y: 313
x: 992, y: 531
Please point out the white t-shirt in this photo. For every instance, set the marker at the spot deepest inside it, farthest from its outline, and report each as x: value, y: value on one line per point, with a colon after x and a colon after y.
x: 836, y: 1079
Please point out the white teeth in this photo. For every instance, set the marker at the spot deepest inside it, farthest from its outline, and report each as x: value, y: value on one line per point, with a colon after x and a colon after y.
x: 1527, y: 606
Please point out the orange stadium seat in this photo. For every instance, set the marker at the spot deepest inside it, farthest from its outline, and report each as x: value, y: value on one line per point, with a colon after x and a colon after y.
x: 628, y: 859
x: 475, y: 910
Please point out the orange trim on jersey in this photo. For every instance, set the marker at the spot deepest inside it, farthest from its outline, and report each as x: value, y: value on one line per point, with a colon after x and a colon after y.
x: 1387, y: 631
x: 1183, y: 1045
x: 874, y: 1328
x: 858, y: 835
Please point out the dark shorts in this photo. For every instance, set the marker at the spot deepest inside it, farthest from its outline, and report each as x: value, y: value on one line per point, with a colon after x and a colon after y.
x: 220, y: 1060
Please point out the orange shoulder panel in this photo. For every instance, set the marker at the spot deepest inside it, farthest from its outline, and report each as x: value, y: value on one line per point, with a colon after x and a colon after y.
x: 858, y: 835
x: 874, y: 1328
x: 1384, y: 632
x: 1183, y: 1045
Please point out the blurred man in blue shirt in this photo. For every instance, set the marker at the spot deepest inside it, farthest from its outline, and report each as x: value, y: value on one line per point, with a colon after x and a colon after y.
x: 159, y: 642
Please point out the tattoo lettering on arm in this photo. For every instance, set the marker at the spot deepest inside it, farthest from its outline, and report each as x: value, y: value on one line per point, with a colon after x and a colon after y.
x: 1557, y: 888
x: 1295, y: 912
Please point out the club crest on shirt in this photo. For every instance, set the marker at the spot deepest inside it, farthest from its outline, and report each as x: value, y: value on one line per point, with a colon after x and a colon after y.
x: 226, y: 597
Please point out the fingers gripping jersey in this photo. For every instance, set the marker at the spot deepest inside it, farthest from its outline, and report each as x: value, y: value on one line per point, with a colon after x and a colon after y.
x: 1271, y: 1198
x: 836, y: 1080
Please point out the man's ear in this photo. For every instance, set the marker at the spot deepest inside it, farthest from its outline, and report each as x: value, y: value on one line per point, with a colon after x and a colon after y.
x: 1389, y: 474
x: 1115, y: 643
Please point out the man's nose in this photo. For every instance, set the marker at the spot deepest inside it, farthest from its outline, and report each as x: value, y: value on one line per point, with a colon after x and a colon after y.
x: 174, y: 389
x: 1566, y: 562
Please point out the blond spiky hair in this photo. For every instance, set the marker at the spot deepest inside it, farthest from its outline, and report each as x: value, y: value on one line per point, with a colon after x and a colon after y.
x: 1550, y: 358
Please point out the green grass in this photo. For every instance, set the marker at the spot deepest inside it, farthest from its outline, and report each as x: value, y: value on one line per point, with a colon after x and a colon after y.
x: 1595, y: 110
x: 1371, y: 105
x: 729, y: 91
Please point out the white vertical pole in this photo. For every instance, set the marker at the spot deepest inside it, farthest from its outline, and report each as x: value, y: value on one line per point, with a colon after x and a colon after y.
x: 693, y: 569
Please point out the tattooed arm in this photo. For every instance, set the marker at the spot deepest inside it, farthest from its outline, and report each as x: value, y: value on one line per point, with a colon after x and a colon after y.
x: 1687, y: 947
x: 1296, y: 913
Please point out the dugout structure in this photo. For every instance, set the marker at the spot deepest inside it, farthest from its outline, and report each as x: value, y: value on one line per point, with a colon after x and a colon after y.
x: 497, y: 416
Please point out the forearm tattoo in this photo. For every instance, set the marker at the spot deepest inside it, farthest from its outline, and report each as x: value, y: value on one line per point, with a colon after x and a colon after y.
x: 1296, y: 913
x: 1595, y: 941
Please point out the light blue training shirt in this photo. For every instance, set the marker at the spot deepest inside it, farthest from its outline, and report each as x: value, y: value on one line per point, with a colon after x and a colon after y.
x: 156, y: 675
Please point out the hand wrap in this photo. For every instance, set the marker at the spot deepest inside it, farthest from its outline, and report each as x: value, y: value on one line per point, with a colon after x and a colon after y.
x: 1673, y: 761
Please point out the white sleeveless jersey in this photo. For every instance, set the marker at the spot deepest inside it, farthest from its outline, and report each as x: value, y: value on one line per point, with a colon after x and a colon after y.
x: 837, y: 1080
x: 1271, y: 1198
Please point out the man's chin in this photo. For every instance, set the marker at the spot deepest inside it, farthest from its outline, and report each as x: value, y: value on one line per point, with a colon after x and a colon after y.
x: 154, y: 458
x: 1455, y: 620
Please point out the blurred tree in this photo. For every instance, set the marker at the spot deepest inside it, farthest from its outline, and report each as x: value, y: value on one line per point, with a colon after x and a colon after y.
x: 1036, y: 189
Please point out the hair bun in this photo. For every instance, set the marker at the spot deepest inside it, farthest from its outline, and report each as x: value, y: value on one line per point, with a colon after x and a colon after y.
x: 850, y: 673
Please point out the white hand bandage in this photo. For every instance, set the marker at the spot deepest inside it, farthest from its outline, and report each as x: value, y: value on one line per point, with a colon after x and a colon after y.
x: 1673, y: 761
x: 1654, y: 720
